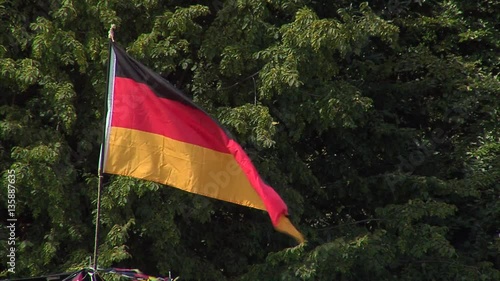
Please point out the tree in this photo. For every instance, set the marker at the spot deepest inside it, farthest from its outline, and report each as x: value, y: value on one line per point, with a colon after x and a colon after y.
x: 377, y: 122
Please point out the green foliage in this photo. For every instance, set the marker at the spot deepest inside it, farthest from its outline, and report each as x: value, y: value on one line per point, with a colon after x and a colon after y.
x: 377, y: 123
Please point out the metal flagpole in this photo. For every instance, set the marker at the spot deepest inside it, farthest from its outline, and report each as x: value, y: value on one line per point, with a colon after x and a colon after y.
x: 97, y: 221
x: 101, y: 158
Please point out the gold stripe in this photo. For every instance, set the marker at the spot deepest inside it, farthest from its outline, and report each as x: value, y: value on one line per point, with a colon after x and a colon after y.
x: 178, y: 164
x: 285, y: 225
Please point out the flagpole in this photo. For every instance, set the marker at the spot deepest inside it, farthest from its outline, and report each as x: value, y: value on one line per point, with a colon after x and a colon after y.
x: 97, y: 220
x: 100, y: 171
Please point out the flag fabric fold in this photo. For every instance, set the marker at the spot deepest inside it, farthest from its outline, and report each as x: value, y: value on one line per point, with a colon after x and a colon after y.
x: 155, y: 132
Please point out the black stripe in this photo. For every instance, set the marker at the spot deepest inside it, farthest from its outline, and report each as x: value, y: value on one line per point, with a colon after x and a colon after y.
x: 128, y: 67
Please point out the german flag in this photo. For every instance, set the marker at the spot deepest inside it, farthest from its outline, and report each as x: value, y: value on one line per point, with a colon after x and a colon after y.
x: 154, y: 132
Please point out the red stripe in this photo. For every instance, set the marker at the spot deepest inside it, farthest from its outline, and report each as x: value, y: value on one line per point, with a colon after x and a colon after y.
x: 275, y: 206
x: 136, y: 106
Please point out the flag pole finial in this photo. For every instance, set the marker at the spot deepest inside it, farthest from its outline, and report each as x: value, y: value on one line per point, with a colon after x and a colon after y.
x: 111, y: 33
